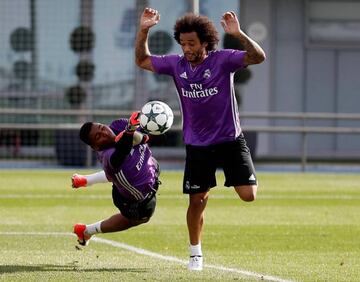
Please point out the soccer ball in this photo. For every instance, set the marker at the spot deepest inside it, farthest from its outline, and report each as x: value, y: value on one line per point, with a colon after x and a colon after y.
x: 156, y: 117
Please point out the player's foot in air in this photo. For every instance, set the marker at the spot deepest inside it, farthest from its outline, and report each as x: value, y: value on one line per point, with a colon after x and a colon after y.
x: 79, y: 230
x: 195, y: 263
x: 78, y: 180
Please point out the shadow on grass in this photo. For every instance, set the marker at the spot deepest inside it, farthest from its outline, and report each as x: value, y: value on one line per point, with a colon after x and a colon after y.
x: 69, y: 268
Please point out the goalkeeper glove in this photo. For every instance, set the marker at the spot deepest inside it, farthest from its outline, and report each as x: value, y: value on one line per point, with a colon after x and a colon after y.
x: 132, y: 125
x: 134, y: 121
x: 78, y: 180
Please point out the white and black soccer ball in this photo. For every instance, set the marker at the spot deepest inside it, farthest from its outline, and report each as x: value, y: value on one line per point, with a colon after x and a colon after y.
x: 156, y: 117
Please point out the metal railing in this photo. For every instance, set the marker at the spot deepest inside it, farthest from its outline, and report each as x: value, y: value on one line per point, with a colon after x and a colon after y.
x: 304, y: 130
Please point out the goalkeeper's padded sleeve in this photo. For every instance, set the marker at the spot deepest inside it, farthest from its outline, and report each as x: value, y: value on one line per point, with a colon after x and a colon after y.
x: 97, y: 177
x: 124, y: 141
x: 123, y: 145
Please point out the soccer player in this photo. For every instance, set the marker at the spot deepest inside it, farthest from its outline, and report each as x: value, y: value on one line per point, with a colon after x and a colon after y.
x: 128, y: 163
x: 212, y: 134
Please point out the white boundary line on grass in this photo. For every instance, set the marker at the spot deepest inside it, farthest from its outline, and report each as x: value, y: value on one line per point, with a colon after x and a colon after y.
x: 214, y: 196
x: 152, y: 254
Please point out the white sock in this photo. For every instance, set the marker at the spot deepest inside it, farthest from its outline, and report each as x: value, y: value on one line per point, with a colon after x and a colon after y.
x: 94, y: 228
x: 97, y: 177
x: 195, y: 250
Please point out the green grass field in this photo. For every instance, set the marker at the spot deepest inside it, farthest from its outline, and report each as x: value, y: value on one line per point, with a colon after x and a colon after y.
x: 302, y: 227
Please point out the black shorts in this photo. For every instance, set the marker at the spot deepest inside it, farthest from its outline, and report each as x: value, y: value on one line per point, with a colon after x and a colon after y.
x: 134, y: 210
x: 202, y: 161
x: 137, y: 210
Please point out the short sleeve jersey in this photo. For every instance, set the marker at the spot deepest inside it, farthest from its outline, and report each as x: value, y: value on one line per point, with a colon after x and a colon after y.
x: 136, y: 176
x: 206, y: 93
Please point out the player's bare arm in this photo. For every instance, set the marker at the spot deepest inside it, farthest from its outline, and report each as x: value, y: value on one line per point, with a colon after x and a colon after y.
x: 254, y: 53
x: 148, y: 19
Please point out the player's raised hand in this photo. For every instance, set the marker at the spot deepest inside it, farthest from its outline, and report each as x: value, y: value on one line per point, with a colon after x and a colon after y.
x: 134, y: 121
x: 133, y: 124
x: 149, y: 18
x: 230, y: 23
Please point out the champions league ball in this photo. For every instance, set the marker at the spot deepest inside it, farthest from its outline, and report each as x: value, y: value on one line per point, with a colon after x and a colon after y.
x: 156, y: 117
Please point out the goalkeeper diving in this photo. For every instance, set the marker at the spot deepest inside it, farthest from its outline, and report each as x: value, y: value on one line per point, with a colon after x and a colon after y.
x: 128, y: 164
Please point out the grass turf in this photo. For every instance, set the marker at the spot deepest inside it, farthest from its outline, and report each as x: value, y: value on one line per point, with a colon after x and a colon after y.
x: 302, y: 227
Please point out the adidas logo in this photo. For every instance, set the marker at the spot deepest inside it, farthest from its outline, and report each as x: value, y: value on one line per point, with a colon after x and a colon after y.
x: 183, y: 75
x: 252, y: 177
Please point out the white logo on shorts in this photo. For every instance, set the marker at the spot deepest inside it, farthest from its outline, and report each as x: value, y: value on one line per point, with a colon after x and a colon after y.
x: 252, y: 177
x: 195, y: 187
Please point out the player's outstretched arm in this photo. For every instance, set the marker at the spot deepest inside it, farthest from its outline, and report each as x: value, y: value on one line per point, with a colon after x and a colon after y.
x: 254, y: 53
x: 125, y: 140
x: 133, y: 124
x: 78, y: 180
x: 148, y: 19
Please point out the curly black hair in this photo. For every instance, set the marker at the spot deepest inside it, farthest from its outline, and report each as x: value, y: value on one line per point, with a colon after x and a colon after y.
x: 84, y: 132
x: 203, y: 27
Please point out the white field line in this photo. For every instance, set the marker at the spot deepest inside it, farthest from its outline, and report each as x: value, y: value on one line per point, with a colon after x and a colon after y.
x: 151, y: 254
x: 100, y: 197
x: 54, y: 196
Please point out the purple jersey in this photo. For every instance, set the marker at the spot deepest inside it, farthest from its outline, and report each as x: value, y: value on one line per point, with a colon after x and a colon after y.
x: 136, y: 176
x: 206, y: 94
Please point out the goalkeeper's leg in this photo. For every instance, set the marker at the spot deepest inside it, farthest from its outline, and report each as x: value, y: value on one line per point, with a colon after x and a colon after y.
x: 84, y: 232
x: 115, y: 223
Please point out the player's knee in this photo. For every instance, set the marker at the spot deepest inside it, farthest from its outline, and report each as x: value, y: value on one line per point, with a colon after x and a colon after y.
x: 247, y: 193
x: 198, y: 200
x: 198, y: 203
x: 249, y: 197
